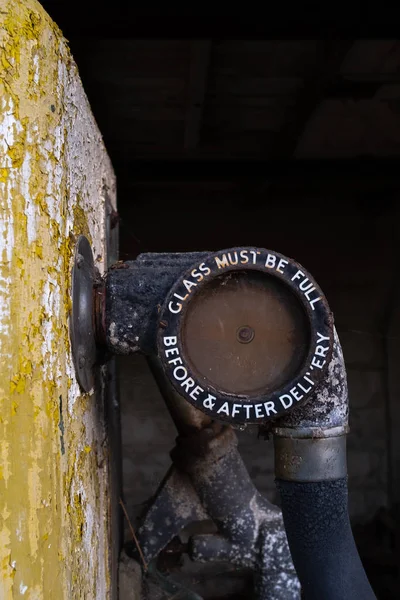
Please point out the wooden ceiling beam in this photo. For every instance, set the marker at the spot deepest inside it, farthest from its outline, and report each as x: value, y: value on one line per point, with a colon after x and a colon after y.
x: 310, y: 97
x: 126, y: 20
x: 360, y: 85
x: 384, y: 170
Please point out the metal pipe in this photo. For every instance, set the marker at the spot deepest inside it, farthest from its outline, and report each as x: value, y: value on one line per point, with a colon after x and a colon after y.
x: 310, y: 459
x: 186, y: 418
x: 251, y: 529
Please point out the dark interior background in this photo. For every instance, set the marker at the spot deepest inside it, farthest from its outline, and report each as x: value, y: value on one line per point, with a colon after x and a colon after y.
x: 224, y: 132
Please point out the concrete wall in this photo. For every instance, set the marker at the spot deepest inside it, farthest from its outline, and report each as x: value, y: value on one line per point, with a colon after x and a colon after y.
x: 54, y: 177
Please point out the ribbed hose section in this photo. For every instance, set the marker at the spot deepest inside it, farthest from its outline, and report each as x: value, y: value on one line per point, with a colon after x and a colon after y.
x: 321, y: 542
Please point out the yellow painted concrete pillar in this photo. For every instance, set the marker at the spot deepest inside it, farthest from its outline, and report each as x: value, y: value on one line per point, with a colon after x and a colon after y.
x: 54, y: 177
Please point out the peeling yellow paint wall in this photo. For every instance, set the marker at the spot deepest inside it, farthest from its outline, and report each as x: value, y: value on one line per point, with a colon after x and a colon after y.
x: 54, y: 174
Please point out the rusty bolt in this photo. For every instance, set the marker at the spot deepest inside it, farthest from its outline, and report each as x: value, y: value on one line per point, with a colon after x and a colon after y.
x: 245, y: 334
x: 79, y: 260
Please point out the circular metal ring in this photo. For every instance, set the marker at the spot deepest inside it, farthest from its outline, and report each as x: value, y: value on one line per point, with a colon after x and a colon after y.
x: 82, y: 332
x: 225, y: 364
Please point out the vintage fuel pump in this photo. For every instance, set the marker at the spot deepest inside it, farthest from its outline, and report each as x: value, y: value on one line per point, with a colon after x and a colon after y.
x: 235, y: 337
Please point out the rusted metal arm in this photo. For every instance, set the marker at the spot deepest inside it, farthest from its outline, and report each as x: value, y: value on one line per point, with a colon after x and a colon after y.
x: 210, y: 481
x: 251, y: 529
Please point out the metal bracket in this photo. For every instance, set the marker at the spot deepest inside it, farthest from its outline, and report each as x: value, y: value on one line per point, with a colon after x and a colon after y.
x: 82, y: 329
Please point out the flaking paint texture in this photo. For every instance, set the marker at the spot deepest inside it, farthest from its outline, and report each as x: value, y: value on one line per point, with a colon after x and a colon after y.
x: 54, y: 175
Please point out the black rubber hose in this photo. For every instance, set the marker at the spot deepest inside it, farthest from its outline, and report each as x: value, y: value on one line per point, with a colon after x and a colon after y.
x: 321, y: 540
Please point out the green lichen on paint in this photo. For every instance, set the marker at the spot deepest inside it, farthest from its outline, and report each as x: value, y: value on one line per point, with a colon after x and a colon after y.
x: 52, y: 491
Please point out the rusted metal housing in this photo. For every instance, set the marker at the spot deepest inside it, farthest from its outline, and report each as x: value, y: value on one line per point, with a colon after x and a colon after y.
x: 135, y: 291
x: 238, y: 331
